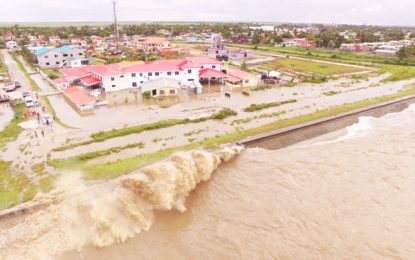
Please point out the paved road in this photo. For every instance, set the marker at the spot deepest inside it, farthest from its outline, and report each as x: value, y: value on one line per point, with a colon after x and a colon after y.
x: 15, y: 72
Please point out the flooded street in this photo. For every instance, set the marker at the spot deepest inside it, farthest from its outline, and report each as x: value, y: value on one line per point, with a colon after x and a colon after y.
x: 6, y: 115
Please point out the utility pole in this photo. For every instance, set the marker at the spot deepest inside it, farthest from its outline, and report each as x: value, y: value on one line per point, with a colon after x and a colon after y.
x: 114, y: 7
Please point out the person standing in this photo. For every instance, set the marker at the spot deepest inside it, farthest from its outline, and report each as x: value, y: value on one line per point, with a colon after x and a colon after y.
x: 43, y: 132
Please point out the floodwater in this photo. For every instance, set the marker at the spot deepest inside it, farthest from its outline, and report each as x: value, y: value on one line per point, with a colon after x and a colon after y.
x: 6, y: 115
x: 347, y: 196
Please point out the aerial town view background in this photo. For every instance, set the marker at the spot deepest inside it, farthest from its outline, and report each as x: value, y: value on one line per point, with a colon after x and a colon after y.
x: 104, y: 99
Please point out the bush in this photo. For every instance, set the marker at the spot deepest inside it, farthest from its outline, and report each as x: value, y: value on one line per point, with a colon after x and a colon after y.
x: 257, y: 107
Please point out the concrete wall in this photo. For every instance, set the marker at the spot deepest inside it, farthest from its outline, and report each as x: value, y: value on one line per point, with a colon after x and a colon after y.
x: 287, y: 136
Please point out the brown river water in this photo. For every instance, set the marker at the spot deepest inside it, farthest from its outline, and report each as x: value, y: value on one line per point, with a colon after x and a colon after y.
x: 347, y: 196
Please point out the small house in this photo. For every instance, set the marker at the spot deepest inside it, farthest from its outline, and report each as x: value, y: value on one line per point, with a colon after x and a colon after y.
x: 240, y: 78
x: 161, y: 87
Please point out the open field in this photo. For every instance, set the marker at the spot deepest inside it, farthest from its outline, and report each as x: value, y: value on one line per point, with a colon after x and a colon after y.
x: 307, y: 68
x: 400, y: 70
x: 333, y: 55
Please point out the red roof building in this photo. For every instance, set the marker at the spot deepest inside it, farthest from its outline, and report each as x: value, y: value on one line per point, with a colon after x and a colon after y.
x: 78, y: 97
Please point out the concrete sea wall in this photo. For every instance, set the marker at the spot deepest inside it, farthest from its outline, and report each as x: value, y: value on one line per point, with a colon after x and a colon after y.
x: 288, y: 136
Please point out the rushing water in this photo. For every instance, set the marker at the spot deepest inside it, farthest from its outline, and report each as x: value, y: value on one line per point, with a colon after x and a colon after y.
x: 350, y: 197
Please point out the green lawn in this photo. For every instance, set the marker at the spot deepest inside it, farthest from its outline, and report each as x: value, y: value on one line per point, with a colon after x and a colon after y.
x: 16, y: 187
x: 12, y: 131
x: 52, y: 73
x: 307, y: 68
x: 398, y: 72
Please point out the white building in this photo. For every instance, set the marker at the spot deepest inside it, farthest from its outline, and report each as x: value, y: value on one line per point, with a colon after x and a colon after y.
x: 12, y: 45
x: 56, y: 57
x: 114, y: 77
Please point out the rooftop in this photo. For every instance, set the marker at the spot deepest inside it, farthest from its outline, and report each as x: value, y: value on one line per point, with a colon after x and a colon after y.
x: 76, y: 95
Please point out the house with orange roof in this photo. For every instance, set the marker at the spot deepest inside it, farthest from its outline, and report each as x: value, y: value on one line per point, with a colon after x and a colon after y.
x: 239, y: 78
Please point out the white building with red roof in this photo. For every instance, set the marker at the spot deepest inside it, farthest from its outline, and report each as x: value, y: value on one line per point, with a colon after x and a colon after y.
x: 115, y: 77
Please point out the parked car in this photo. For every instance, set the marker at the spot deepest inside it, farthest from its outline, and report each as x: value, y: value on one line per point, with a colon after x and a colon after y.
x: 17, y: 84
x: 9, y: 87
x: 26, y: 94
x: 28, y: 101
x: 46, y: 119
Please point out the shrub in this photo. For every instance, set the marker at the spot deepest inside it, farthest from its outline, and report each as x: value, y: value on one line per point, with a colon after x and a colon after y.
x: 257, y: 107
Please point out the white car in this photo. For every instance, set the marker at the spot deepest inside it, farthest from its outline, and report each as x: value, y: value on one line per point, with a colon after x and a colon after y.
x: 46, y: 118
x: 28, y: 101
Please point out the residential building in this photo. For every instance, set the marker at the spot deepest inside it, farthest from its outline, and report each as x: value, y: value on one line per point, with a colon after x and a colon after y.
x: 78, y: 42
x: 54, y: 39
x: 56, y: 57
x: 9, y: 36
x: 152, y: 44
x: 298, y: 42
x: 12, y: 45
x: 162, y: 87
x: 240, y: 78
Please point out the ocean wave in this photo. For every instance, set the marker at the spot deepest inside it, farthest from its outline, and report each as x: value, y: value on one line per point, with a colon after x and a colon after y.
x: 112, y: 212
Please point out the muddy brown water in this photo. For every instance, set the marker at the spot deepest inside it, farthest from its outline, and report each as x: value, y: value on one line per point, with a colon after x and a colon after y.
x: 345, y: 196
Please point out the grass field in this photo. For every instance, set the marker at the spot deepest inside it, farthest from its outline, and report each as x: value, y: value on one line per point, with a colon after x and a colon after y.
x: 333, y: 55
x: 12, y: 131
x: 16, y: 187
x: 307, y: 68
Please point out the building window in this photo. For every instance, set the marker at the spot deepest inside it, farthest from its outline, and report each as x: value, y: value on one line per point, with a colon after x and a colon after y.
x: 71, y: 55
x: 169, y: 73
x: 176, y: 73
x: 47, y: 63
x: 189, y: 71
x: 247, y: 81
x: 150, y: 74
x: 141, y: 82
x: 113, y: 86
x: 133, y: 75
x: 65, y: 55
x: 134, y: 84
x: 57, y: 63
x: 213, y: 67
x: 162, y: 92
x: 46, y: 56
x: 80, y: 54
x: 141, y: 74
x: 203, y: 67
x: 191, y: 80
x: 122, y: 76
x: 56, y: 56
x: 157, y: 74
x: 112, y: 78
x: 172, y: 91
